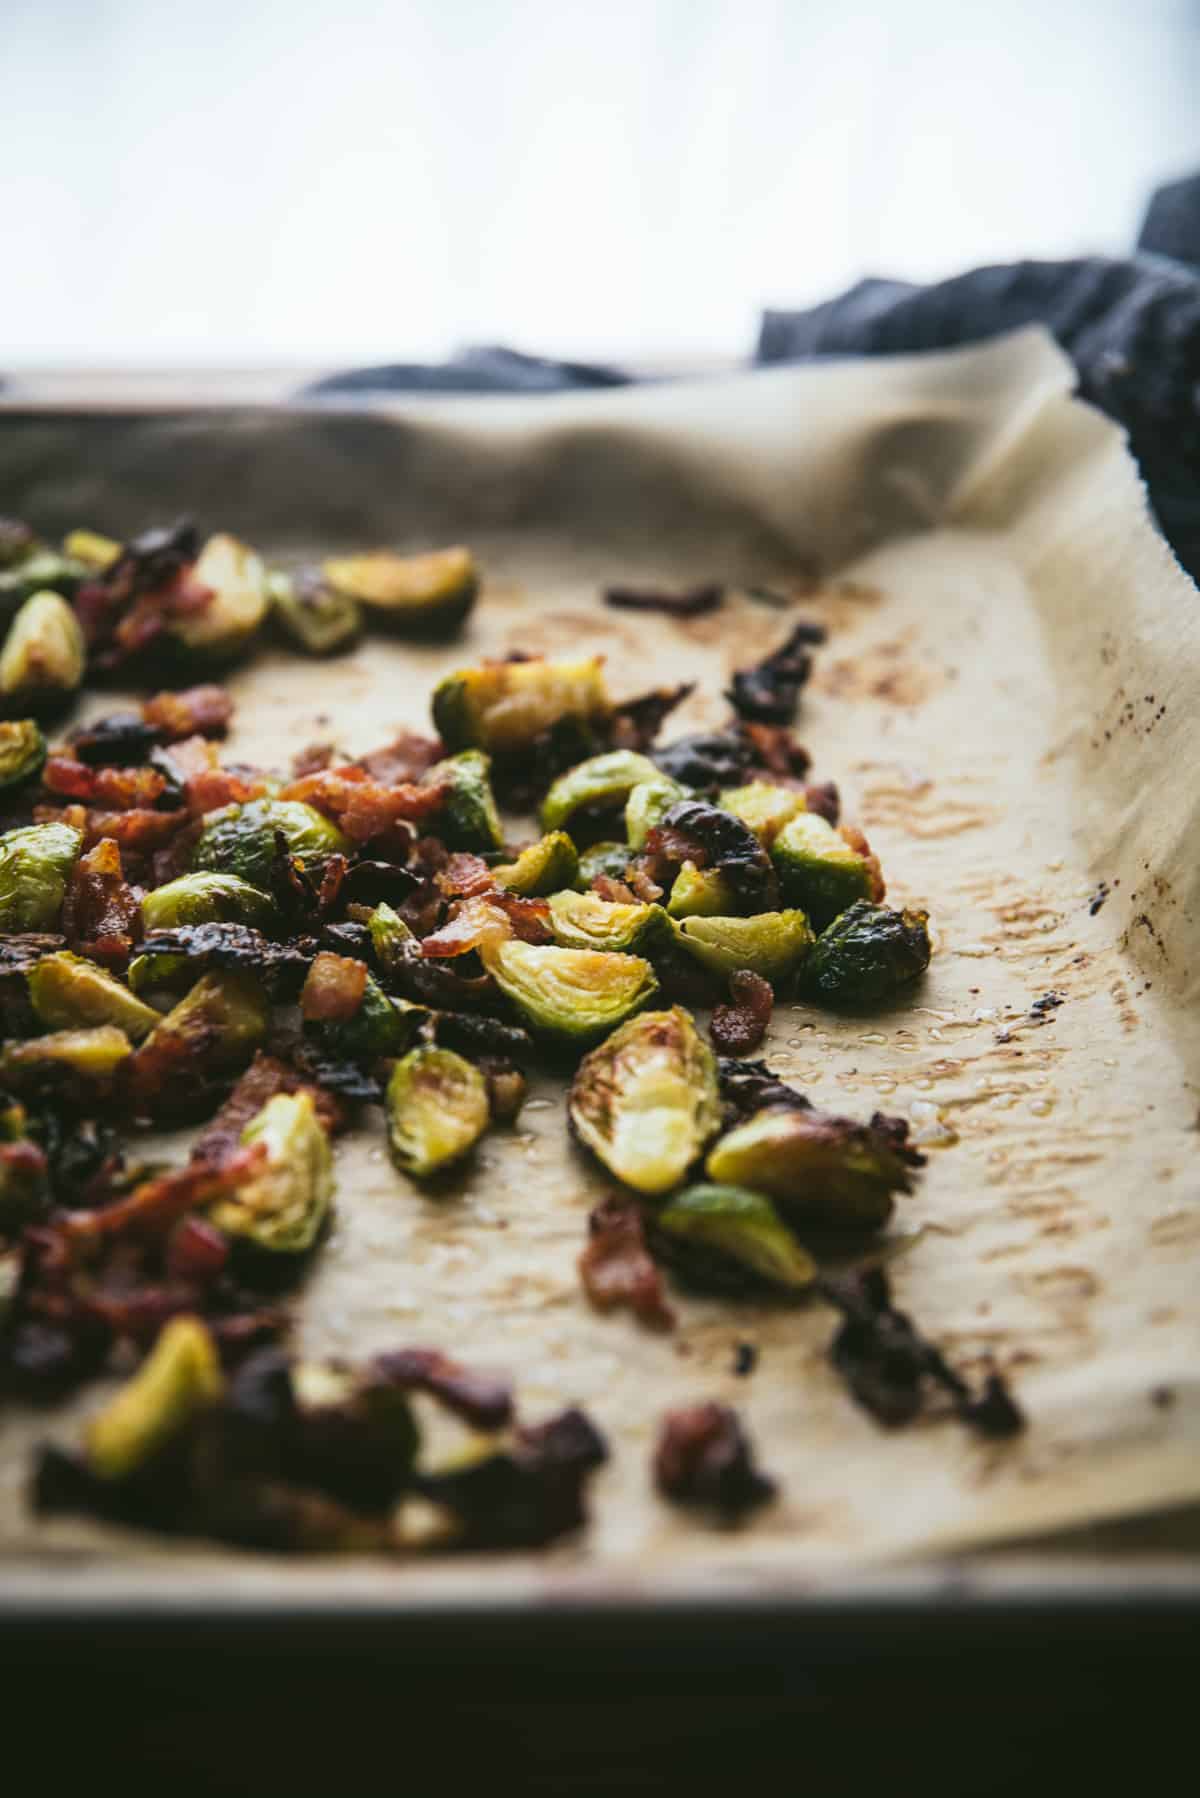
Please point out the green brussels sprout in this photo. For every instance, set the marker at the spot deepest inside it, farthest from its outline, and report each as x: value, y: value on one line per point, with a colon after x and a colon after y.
x: 648, y: 804
x: 765, y: 808
x: 207, y: 898
x: 646, y: 1101
x: 428, y: 595
x: 71, y: 993
x: 585, y: 921
x: 215, y: 1027
x: 468, y: 819
x: 89, y: 1055
x: 700, y: 893
x: 237, y: 580
x: 240, y: 839
x: 44, y: 655
x: 772, y: 944
x: 391, y: 937
x: 824, y: 1170
x: 611, y: 859
x: 726, y: 1230
x: 546, y: 866
x: 41, y: 570
x: 381, y: 1026
x: 574, y: 995
x: 866, y: 955
x: 506, y: 706
x: 601, y: 778
x: 819, y: 870
x: 437, y: 1109
x: 35, y: 864
x: 286, y: 1200
x: 22, y: 753
x: 179, y: 1377
x: 95, y: 552
x: 313, y: 615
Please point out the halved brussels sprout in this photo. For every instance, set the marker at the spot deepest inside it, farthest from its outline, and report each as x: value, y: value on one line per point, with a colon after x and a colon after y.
x: 819, y: 870
x: 39, y: 570
x: 70, y: 993
x: 546, y: 866
x: 601, y: 778
x: 867, y: 954
x: 585, y: 921
x: 611, y: 859
x: 90, y: 1055
x: 700, y: 893
x: 437, y: 1109
x: 772, y: 944
x: 381, y: 1026
x: 575, y: 995
x: 506, y: 706
x: 207, y: 898
x: 22, y: 753
x: 648, y: 804
x: 35, y: 864
x: 313, y: 614
x: 468, y: 819
x: 765, y: 808
x: 646, y: 1101
x: 240, y: 839
x: 44, y: 655
x: 237, y: 580
x: 284, y: 1203
x: 180, y: 1376
x: 719, y: 1225
x: 824, y: 1170
x: 427, y: 595
x: 390, y: 937
x: 95, y: 552
x: 214, y: 1027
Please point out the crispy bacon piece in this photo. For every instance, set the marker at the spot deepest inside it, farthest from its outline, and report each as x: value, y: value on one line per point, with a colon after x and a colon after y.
x: 364, y: 808
x: 211, y: 788
x: 465, y: 876
x: 529, y: 1495
x: 483, y: 1400
x: 203, y: 711
x: 776, y: 750
x: 101, y: 913
x: 156, y: 1204
x: 333, y: 990
x: 692, y: 602
x: 616, y: 1267
x: 473, y: 921
x: 138, y: 831
x: 406, y: 758
x: 616, y: 892
x: 850, y: 833
x: 704, y: 1458
x: 740, y: 1026
x: 635, y: 723
x: 119, y: 788
x: 264, y: 1078
x: 823, y: 798
x: 705, y: 834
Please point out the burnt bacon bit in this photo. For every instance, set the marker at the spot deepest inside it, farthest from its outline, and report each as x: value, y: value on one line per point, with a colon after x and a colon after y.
x: 483, y: 1400
x: 740, y: 1025
x: 239, y: 948
x: 823, y: 798
x: 120, y: 740
x: 101, y: 912
x: 750, y: 1086
x: 266, y: 1077
x: 616, y: 1267
x: 711, y: 837
x: 204, y: 711
x: 704, y: 1458
x: 529, y: 1495
x: 774, y: 749
x: 768, y: 692
x: 635, y: 723
x: 689, y: 602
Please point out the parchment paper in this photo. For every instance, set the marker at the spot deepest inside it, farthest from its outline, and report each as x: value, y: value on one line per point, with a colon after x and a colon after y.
x: 1009, y: 700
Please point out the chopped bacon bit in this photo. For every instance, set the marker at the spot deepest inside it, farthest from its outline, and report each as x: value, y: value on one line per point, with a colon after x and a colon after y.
x: 158, y: 1203
x: 776, y: 749
x: 465, y: 877
x: 213, y: 788
x: 312, y: 760
x: 851, y: 834
x: 472, y: 922
x: 196, y: 712
x: 823, y: 798
x: 740, y: 1026
x: 197, y: 1250
x: 406, y: 758
x: 641, y: 885
x: 616, y: 892
x: 691, y: 603
x: 334, y: 988
x: 483, y: 1400
x: 101, y: 912
x: 635, y: 723
x: 616, y: 1268
x: 704, y: 1457
x: 119, y: 788
x: 139, y: 831
x: 264, y: 1078
x: 364, y: 808
x: 768, y: 692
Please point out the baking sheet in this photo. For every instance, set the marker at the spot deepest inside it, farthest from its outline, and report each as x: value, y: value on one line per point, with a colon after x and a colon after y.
x: 1009, y: 702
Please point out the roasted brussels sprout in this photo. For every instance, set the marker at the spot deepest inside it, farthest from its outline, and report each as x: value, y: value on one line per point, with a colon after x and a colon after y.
x: 206, y: 898
x: 611, y: 859
x: 700, y: 893
x: 646, y: 1101
x: 584, y: 921
x: 240, y: 839
x: 437, y: 1109
x: 71, y: 993
x: 823, y: 1170
x: 772, y: 944
x: 866, y: 955
x: 94, y: 551
x: 601, y: 779
x: 40, y: 570
x: 468, y: 819
x: 380, y: 1026
x: 214, y: 1028
x: 574, y: 995
x: 390, y: 937
x: 44, y: 655
x: 819, y: 870
x: 424, y: 596
x: 648, y: 804
x: 312, y: 613
x: 22, y: 753
x: 765, y: 808
x: 284, y: 1203
x: 35, y: 865
x: 180, y: 1376
x: 91, y: 1056
x: 722, y: 1232
x: 505, y: 707
x: 546, y: 866
x: 237, y: 580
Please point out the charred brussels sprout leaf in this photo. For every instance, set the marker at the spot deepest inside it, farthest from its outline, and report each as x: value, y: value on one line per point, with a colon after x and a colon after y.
x: 92, y: 1056
x: 207, y: 898
x: 583, y: 921
x: 765, y: 808
x: 721, y: 1233
x: 699, y: 893
x: 22, y: 753
x: 719, y: 759
x: 866, y: 955
x: 437, y: 1109
x: 601, y: 780
x: 180, y: 1376
x: 546, y: 866
x: 70, y: 993
x: 35, y: 865
x: 823, y: 1170
x: 312, y: 613
x: 170, y: 958
x: 773, y: 944
x: 819, y: 870
x: 215, y: 1028
x: 648, y: 804
x: 505, y: 707
x: 44, y: 655
x: 237, y: 581
x: 240, y: 839
x: 611, y: 859
x: 574, y: 995
x: 468, y: 819
x: 424, y: 596
x: 646, y: 1102
x: 283, y: 1204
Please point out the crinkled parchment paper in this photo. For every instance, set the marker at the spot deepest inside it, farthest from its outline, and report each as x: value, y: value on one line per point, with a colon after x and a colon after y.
x: 1010, y: 699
